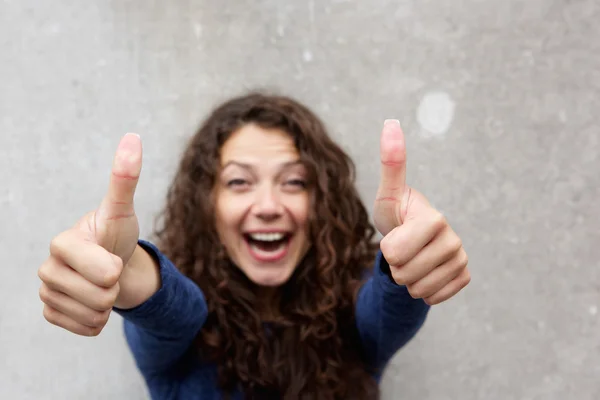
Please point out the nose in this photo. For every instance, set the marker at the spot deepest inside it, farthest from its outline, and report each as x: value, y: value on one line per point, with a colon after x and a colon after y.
x: 267, y: 205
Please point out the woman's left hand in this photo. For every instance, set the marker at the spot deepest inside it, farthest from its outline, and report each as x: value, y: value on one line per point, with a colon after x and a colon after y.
x: 423, y: 251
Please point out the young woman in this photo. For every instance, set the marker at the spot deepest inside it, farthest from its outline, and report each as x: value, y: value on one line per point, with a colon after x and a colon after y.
x: 264, y: 281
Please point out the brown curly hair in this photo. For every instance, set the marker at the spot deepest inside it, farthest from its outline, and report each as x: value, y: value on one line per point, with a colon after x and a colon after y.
x: 313, y: 349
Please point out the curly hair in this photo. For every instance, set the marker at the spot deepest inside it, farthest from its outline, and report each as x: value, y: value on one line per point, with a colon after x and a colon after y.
x: 313, y: 349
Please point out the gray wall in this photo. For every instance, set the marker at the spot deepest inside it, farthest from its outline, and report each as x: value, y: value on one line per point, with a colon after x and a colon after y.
x: 500, y: 102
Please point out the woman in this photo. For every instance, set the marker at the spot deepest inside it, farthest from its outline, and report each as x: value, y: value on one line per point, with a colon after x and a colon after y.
x: 264, y: 281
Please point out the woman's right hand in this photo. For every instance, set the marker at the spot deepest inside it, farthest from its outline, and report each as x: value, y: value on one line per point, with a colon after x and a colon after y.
x: 80, y: 278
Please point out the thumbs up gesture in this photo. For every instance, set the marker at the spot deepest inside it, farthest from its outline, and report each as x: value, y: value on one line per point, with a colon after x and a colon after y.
x: 423, y: 251
x: 80, y: 278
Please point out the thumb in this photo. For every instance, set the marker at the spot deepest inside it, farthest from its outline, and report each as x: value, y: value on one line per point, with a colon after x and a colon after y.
x: 392, y: 191
x: 117, y: 205
x: 124, y: 177
x: 393, y: 161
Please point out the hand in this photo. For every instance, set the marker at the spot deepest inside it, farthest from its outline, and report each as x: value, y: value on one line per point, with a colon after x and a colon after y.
x: 423, y: 251
x: 80, y: 278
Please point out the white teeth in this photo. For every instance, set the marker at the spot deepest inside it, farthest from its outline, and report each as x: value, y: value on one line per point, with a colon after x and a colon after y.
x: 267, y: 237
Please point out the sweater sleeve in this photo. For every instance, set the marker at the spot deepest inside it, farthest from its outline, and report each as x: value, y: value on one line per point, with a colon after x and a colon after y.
x: 160, y: 330
x: 387, y: 317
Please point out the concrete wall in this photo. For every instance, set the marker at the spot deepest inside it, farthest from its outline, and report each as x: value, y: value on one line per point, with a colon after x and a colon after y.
x: 500, y: 102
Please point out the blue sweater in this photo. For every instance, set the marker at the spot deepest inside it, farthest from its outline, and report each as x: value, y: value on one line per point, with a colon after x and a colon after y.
x: 160, y: 331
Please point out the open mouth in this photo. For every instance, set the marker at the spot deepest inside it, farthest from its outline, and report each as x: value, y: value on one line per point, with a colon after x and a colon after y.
x: 268, y: 246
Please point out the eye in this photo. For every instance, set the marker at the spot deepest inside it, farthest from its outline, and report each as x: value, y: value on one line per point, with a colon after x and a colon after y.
x: 234, y: 183
x: 299, y: 183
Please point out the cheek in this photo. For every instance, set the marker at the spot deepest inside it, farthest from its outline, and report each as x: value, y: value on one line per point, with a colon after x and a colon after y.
x: 229, y: 215
x: 299, y: 208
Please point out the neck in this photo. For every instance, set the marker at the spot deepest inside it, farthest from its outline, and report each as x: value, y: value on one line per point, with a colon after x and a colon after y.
x: 268, y: 303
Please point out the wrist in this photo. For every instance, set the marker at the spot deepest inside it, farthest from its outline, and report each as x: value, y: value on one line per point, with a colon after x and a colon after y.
x: 139, y: 280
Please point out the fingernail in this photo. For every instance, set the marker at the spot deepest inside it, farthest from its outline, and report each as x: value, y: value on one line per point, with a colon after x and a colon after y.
x: 391, y: 121
x: 131, y: 133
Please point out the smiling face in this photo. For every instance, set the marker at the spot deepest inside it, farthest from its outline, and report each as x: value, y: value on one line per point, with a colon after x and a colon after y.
x: 262, y: 204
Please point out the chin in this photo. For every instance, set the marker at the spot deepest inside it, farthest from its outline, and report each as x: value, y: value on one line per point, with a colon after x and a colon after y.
x: 268, y: 277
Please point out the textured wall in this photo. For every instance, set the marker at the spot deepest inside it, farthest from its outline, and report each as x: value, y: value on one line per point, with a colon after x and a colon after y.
x: 500, y: 102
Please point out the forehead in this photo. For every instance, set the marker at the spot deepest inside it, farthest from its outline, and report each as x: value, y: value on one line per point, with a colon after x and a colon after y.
x: 254, y: 144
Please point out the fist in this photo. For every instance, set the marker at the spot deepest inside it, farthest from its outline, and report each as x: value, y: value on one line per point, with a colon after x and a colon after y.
x: 80, y: 278
x: 424, y: 252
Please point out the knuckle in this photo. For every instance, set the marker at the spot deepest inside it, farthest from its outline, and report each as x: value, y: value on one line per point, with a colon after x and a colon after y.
x: 461, y: 262
x: 112, y: 274
x: 104, y: 303
x: 88, y: 331
x: 45, y: 294
x: 431, y: 301
x: 414, y: 291
x: 398, y: 276
x: 111, y: 277
x: 467, y: 279
x: 456, y: 243
x: 118, y: 261
x: 50, y: 315
x: 46, y: 271
x: 464, y: 258
x: 98, y: 319
x: 93, y: 330
x: 54, y: 244
x: 65, y: 243
x: 107, y: 299
x: 57, y: 243
x: 391, y: 247
x: 43, y: 272
x: 387, y: 249
x: 438, y: 220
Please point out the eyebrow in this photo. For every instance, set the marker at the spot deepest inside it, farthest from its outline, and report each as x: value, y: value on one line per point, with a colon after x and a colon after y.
x: 250, y: 167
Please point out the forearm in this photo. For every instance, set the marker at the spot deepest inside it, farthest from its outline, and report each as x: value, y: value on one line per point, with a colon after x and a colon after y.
x: 139, y: 281
x: 387, y: 316
x: 161, y: 328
